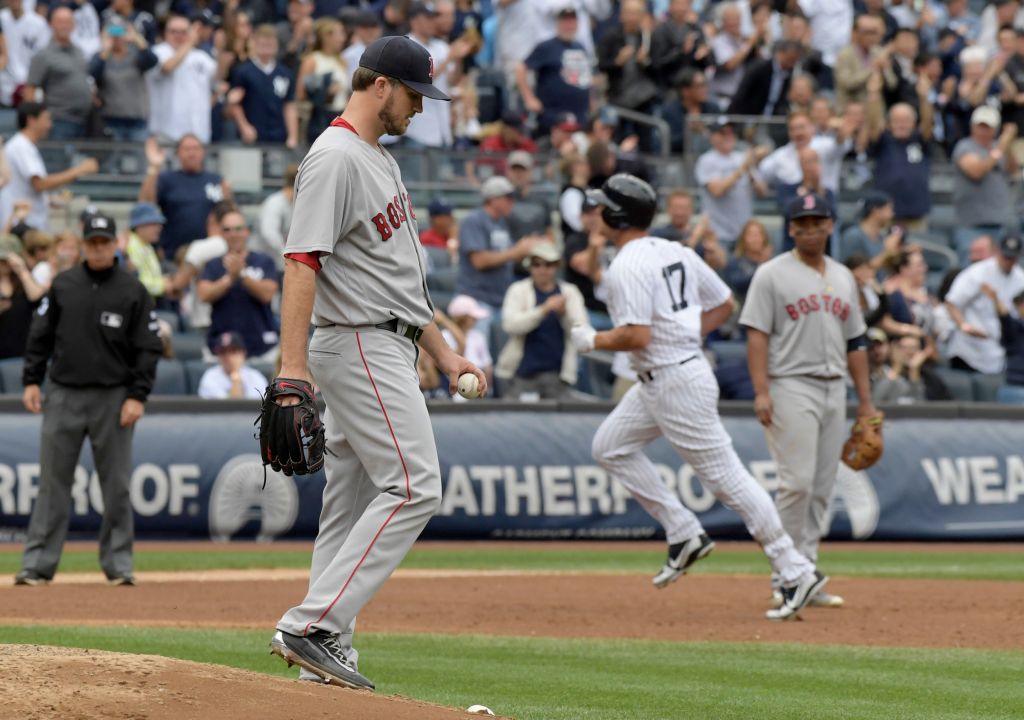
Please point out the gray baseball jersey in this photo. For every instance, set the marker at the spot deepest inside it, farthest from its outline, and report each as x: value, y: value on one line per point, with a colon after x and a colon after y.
x: 383, y: 475
x: 809, y: 317
x: 350, y: 204
x: 665, y: 285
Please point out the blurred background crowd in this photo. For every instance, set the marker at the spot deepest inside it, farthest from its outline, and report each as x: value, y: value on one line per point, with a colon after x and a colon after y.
x: 185, y: 120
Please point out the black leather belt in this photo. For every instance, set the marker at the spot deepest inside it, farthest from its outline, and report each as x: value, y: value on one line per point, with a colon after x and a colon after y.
x: 413, y: 332
x: 648, y: 375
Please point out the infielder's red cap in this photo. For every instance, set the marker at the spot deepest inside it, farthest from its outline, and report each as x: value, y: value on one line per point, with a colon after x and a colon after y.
x: 405, y: 60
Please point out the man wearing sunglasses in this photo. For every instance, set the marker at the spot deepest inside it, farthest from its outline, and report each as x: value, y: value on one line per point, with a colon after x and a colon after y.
x: 240, y: 287
x: 538, y: 314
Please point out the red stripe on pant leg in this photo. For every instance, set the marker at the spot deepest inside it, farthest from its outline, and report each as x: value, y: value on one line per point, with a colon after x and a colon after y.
x: 408, y: 491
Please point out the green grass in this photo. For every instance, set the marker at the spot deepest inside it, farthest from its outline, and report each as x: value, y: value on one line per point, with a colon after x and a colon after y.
x: 836, y: 561
x: 546, y: 679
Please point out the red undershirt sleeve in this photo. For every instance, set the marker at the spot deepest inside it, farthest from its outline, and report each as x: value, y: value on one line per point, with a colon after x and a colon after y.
x: 312, y: 259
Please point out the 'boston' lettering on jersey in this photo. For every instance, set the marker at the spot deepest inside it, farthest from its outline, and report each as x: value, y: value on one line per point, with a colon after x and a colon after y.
x: 809, y: 304
x: 395, y: 216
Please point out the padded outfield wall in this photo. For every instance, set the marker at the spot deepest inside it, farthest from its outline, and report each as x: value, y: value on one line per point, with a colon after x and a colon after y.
x: 950, y: 472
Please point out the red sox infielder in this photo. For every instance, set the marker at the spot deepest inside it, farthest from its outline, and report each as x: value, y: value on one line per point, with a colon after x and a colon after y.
x: 353, y: 262
x: 663, y: 299
x: 804, y: 331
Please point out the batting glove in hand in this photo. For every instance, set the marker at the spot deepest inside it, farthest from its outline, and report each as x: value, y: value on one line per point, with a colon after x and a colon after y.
x: 291, y: 436
x: 583, y: 338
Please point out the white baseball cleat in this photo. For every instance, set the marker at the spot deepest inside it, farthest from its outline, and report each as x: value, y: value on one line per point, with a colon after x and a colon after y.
x: 681, y: 556
x: 797, y: 596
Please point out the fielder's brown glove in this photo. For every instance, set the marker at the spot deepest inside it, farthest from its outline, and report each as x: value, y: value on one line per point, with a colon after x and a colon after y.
x: 865, y: 445
x: 291, y: 436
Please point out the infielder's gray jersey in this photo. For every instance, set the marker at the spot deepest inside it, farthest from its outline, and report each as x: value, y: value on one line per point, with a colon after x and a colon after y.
x: 350, y: 204
x: 809, y: 317
x: 667, y: 286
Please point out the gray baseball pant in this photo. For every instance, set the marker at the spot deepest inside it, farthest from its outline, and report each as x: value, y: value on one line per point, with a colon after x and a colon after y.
x: 383, y: 475
x: 805, y: 438
x: 69, y: 415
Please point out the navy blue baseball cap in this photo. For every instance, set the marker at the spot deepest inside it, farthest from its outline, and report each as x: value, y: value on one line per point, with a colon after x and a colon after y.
x: 810, y: 205
x: 405, y: 60
x: 439, y: 207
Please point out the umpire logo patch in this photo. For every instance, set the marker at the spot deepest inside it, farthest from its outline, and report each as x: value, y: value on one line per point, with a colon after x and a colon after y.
x: 111, y: 320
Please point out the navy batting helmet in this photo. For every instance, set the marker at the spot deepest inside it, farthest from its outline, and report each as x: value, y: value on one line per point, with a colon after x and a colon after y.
x: 626, y: 202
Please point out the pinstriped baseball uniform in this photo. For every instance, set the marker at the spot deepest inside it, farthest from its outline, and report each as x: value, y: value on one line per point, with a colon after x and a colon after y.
x: 666, y: 286
x: 808, y: 317
x: 383, y: 477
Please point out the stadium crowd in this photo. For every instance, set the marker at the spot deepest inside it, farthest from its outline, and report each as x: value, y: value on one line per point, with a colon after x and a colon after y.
x: 772, y: 99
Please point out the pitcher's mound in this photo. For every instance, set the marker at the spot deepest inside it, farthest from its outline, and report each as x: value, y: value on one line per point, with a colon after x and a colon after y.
x: 42, y: 683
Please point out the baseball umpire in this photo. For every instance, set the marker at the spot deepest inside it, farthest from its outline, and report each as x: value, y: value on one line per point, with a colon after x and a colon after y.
x: 663, y: 299
x: 352, y: 262
x: 804, y: 331
x: 97, y: 326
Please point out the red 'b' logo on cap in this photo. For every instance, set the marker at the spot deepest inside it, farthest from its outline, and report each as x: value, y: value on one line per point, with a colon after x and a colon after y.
x: 430, y: 72
x: 808, y: 202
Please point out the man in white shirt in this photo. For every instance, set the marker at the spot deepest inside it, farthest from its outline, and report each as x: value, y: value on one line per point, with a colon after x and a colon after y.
x: 831, y: 25
x: 231, y: 377
x: 975, y: 345
x: 199, y: 253
x: 180, y: 85
x: 25, y: 33
x: 29, y: 179
x: 433, y: 127
x: 782, y: 167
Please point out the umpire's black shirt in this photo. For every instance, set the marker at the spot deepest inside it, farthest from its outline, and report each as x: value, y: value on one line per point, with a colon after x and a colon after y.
x: 100, y: 329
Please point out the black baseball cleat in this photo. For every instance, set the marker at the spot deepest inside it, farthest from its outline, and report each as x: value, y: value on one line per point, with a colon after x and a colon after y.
x: 27, y: 577
x: 321, y: 654
x: 681, y: 556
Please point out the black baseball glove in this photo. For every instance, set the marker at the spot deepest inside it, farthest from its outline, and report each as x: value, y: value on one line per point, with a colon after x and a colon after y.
x: 291, y: 436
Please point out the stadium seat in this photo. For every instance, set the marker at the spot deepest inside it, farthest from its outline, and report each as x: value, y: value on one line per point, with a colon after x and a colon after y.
x: 10, y: 376
x: 441, y: 298
x: 194, y: 370
x: 267, y: 368
x: 958, y: 382
x: 498, y: 336
x: 443, y: 279
x: 986, y: 386
x: 171, y: 318
x: 188, y: 346
x: 728, y: 350
x: 170, y: 378
x: 599, y: 372
x: 440, y: 259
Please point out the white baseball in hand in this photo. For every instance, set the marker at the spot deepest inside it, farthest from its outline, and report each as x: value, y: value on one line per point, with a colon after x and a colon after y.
x: 469, y: 386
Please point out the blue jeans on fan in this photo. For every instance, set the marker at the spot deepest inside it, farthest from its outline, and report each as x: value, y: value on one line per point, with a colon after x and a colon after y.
x: 1010, y: 395
x: 127, y: 129
x: 66, y: 130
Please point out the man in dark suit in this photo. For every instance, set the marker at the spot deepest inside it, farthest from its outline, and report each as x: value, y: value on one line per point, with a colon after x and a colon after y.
x: 765, y: 84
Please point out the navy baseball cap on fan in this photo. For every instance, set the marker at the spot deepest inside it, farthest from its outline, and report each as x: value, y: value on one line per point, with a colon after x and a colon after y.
x: 228, y: 341
x: 99, y: 226
x: 1011, y: 246
x: 810, y: 205
x: 439, y: 207
x: 405, y: 60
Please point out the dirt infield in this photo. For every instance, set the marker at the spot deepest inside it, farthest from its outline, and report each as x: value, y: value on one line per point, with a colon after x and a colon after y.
x: 889, y: 612
x: 90, y: 684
